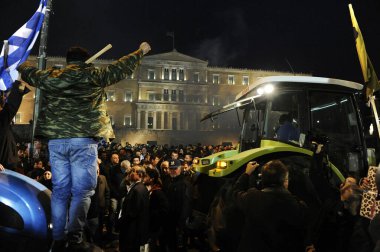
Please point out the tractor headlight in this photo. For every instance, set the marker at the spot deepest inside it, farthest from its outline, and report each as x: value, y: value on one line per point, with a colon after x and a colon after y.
x: 221, y: 164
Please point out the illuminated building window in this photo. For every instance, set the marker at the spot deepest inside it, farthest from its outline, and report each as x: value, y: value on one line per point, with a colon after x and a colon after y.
x: 215, y: 100
x: 150, y: 120
x: 181, y: 96
x: 174, y: 74
x: 181, y: 74
x: 127, y: 121
x: 166, y: 74
x: 231, y: 79
x: 110, y: 94
x: 196, y: 77
x: 151, y: 74
x: 215, y: 78
x: 128, y: 96
x: 245, y: 80
x: 166, y: 95
x: 174, y: 95
x: 151, y: 96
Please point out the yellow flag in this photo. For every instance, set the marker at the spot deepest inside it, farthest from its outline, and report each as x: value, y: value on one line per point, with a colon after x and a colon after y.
x: 370, y: 77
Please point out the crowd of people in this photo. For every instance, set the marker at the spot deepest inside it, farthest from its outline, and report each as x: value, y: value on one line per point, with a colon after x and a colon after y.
x: 143, y: 195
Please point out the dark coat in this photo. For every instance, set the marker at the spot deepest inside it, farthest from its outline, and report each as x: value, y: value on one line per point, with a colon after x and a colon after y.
x: 116, y: 176
x: 100, y: 200
x: 8, y: 148
x: 274, y: 219
x: 134, y: 221
x: 104, y: 192
x: 179, y: 195
x: 158, y: 210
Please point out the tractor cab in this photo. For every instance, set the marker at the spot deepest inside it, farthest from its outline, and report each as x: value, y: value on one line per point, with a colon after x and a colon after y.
x: 285, y: 115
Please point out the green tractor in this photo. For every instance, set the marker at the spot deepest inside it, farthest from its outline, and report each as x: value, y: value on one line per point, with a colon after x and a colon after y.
x: 285, y: 117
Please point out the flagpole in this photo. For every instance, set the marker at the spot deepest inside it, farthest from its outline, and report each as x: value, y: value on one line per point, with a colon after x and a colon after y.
x: 41, y: 66
x: 173, y: 42
x: 171, y: 34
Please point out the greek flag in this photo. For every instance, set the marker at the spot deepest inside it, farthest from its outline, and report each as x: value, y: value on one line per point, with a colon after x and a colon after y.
x: 16, y: 50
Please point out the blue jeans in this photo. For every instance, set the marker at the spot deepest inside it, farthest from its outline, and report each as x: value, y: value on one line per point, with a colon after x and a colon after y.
x: 73, y: 163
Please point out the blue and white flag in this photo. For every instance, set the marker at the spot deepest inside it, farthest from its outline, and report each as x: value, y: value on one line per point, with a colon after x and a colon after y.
x: 19, y: 46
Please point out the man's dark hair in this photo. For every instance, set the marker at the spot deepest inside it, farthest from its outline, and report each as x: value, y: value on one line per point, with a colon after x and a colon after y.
x: 284, y: 118
x: 274, y: 174
x: 77, y: 53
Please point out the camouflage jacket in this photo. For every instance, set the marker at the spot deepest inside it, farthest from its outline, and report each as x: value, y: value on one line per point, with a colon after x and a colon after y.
x: 74, y: 99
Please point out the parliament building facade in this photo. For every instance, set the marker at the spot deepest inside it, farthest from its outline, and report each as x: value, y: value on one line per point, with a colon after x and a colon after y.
x: 165, y: 99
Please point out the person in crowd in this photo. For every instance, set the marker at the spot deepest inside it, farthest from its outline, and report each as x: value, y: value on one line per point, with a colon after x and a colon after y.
x: 274, y: 218
x: 116, y: 175
x: 286, y: 131
x: 179, y: 196
x: 38, y: 170
x: 134, y: 217
x: 46, y: 180
x: 189, y: 159
x: 136, y: 160
x: 156, y: 162
x: 23, y: 159
x: 123, y: 154
x: 1, y: 167
x: 338, y: 226
x: 99, y: 206
x: 164, y: 174
x: 144, y: 153
x: 105, y: 162
x: 72, y: 118
x: 174, y: 155
x: 374, y: 230
x: 139, y: 154
x: 8, y: 109
x: 158, y: 210
x: 125, y: 183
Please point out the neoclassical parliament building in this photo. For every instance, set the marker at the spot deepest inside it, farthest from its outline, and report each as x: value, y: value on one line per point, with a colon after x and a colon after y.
x: 165, y: 99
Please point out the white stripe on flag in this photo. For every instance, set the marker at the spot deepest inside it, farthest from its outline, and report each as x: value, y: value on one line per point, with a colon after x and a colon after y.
x: 23, y: 32
x: 12, y: 48
x: 2, y: 85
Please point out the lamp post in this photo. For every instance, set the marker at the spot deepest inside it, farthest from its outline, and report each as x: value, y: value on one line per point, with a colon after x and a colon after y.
x: 41, y: 65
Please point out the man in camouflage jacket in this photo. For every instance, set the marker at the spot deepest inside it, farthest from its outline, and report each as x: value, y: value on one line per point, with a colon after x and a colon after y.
x: 72, y: 117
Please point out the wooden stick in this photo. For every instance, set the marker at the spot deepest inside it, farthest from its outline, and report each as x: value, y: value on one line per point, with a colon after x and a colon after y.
x: 105, y: 49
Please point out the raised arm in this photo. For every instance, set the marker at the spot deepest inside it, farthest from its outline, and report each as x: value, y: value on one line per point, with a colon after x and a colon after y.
x: 123, y: 67
x: 13, y: 102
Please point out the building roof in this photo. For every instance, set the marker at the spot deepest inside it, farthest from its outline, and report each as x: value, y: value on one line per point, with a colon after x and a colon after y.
x: 174, y: 56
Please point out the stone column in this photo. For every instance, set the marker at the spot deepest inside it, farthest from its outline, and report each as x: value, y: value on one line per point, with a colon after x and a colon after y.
x: 154, y: 120
x: 146, y: 120
x: 179, y: 120
x: 138, y: 119
x: 170, y: 120
x: 162, y: 119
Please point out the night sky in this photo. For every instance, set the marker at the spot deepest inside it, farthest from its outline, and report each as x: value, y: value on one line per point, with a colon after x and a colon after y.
x: 312, y: 36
